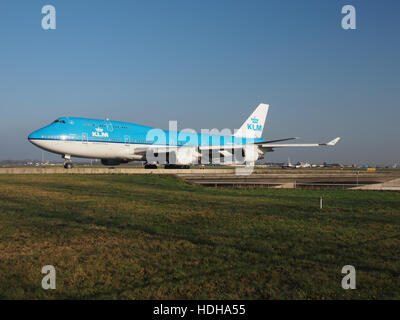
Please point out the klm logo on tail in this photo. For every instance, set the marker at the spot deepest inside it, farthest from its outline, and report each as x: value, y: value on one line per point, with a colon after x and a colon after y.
x: 254, y: 125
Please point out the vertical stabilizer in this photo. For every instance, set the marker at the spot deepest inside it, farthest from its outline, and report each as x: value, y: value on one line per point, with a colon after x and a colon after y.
x: 254, y: 125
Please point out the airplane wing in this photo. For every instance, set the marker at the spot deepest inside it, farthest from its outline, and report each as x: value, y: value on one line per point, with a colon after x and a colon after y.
x: 226, y: 150
x: 270, y: 146
x: 278, y: 140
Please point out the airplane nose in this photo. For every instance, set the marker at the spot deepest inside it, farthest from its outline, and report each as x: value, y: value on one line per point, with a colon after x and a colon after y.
x: 34, y: 136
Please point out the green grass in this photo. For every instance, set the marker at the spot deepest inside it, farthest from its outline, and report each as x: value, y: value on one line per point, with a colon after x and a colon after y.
x: 156, y: 237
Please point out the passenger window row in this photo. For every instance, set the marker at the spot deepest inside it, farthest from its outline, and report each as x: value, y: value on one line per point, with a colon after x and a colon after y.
x: 94, y: 125
x: 103, y: 125
x: 101, y: 138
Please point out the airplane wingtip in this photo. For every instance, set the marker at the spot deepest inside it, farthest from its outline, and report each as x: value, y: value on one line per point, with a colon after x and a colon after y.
x: 333, y: 142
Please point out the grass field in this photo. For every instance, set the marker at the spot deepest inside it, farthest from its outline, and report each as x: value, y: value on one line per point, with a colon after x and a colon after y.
x: 156, y: 237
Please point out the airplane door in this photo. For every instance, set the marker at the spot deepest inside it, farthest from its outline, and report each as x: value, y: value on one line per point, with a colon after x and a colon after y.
x: 126, y: 140
x: 84, y: 137
x: 128, y: 148
x: 109, y: 125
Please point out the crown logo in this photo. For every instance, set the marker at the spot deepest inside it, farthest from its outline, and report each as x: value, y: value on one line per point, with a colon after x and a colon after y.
x: 254, y: 120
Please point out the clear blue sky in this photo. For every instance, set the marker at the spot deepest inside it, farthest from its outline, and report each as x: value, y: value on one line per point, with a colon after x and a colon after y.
x: 207, y: 64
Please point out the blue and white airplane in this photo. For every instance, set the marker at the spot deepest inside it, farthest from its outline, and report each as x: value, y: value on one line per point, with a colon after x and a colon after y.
x: 116, y: 142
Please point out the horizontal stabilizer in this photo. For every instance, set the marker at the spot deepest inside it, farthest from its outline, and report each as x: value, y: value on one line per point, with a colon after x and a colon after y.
x: 277, y: 140
x: 294, y: 145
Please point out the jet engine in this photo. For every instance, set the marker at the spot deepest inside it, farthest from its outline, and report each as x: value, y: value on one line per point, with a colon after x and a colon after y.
x: 252, y: 153
x: 187, y: 155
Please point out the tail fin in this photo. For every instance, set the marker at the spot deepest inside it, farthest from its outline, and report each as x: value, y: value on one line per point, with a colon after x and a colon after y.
x: 254, y: 125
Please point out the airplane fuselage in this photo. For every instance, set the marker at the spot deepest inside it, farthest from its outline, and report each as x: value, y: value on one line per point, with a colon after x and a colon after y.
x: 103, y: 139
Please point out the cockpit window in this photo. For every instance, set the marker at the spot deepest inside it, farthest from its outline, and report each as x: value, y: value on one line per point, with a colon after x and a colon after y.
x: 59, y: 121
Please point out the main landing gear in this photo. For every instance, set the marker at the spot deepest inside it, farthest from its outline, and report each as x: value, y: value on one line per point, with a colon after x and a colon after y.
x: 176, y: 166
x: 167, y: 166
x: 67, y: 163
x: 150, y: 166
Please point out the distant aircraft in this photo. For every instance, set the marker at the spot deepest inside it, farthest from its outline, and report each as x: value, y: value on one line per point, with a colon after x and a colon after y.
x: 117, y: 142
x: 303, y: 165
x: 288, y: 165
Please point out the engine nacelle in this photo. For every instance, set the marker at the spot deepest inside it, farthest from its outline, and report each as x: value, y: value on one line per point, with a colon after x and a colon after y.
x: 187, y: 155
x: 112, y: 162
x: 252, y: 153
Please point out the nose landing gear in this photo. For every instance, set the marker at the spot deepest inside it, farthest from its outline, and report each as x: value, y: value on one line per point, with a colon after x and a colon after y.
x: 67, y: 163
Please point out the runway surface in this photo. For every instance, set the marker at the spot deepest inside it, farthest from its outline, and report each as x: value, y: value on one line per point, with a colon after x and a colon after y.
x: 272, y: 178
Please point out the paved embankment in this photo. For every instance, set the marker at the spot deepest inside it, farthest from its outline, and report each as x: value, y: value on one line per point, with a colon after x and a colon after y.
x: 292, y: 179
x: 391, y: 185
